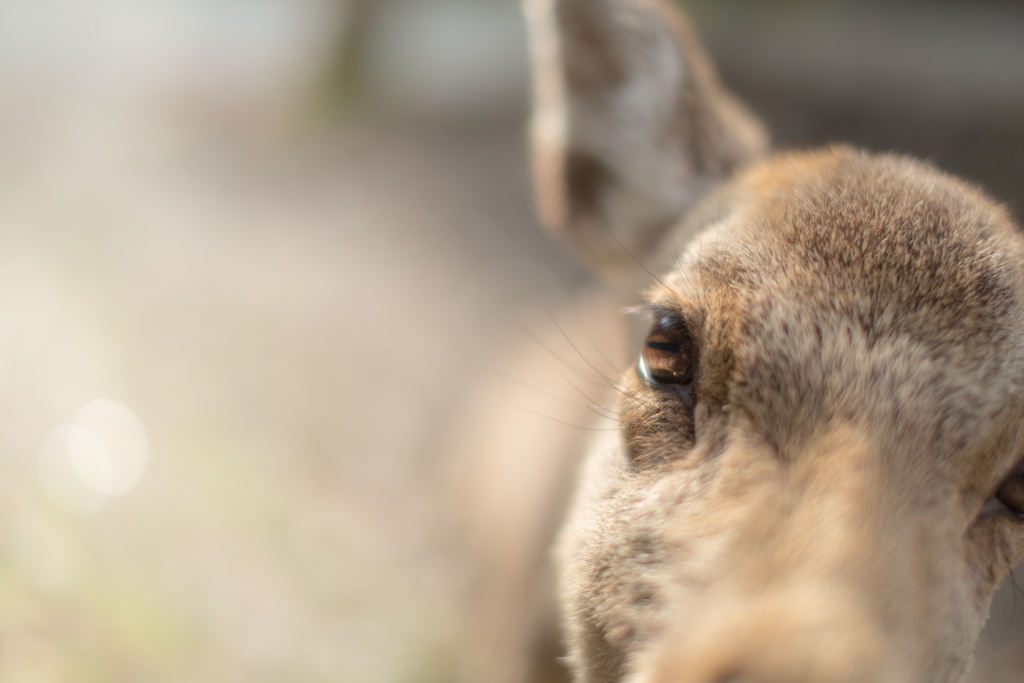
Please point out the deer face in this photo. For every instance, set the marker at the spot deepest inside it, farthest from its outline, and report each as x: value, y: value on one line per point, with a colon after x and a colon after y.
x: 818, y: 473
x: 807, y: 486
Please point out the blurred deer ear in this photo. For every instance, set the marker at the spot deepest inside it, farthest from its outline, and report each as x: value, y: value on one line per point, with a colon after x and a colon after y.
x: 630, y: 125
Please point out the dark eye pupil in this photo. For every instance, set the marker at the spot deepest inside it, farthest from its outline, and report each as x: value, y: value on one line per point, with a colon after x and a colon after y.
x: 667, y: 347
x: 1011, y: 492
x: 668, y: 353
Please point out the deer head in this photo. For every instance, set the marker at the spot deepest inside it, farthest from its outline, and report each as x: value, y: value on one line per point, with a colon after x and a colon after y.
x: 817, y: 476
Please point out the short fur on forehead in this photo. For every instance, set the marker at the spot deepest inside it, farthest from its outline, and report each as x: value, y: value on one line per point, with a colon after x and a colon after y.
x: 846, y: 275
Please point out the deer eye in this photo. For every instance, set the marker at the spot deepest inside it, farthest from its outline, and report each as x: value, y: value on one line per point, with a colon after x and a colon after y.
x: 668, y: 353
x: 1011, y: 492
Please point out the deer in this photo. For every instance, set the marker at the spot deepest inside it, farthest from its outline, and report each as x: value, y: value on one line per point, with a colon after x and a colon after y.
x: 816, y: 470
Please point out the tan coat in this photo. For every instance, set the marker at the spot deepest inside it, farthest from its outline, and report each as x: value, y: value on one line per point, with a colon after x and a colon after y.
x: 816, y: 472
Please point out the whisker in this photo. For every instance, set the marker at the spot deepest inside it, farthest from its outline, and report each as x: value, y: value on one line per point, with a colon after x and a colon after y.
x: 567, y: 424
x: 574, y: 348
x: 538, y: 390
x: 597, y: 348
x: 560, y: 359
x: 630, y: 254
x: 584, y: 395
x: 595, y: 410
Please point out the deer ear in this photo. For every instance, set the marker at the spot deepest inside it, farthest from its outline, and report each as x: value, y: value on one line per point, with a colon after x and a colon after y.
x: 630, y: 125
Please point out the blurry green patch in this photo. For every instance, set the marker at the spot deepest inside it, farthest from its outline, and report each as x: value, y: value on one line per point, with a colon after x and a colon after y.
x: 135, y: 631
x: 221, y: 467
x: 341, y: 88
x: 82, y: 622
x: 432, y: 662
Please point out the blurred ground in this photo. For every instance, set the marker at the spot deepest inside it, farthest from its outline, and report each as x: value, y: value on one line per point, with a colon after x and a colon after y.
x: 291, y: 302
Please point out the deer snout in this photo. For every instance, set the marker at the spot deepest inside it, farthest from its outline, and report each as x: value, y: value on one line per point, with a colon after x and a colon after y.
x: 803, y: 595
x: 805, y: 635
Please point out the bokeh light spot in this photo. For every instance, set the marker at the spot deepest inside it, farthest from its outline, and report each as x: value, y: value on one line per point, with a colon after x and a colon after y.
x: 103, y: 453
x: 109, y: 447
x: 90, y: 459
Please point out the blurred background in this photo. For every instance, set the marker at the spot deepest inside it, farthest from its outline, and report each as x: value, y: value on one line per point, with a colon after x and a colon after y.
x: 253, y: 251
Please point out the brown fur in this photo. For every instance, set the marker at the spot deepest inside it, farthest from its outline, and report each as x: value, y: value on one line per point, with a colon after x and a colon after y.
x: 860, y: 385
x: 820, y: 509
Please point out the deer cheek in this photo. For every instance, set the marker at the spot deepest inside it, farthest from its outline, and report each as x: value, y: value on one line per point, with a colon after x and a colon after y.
x: 657, y: 426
